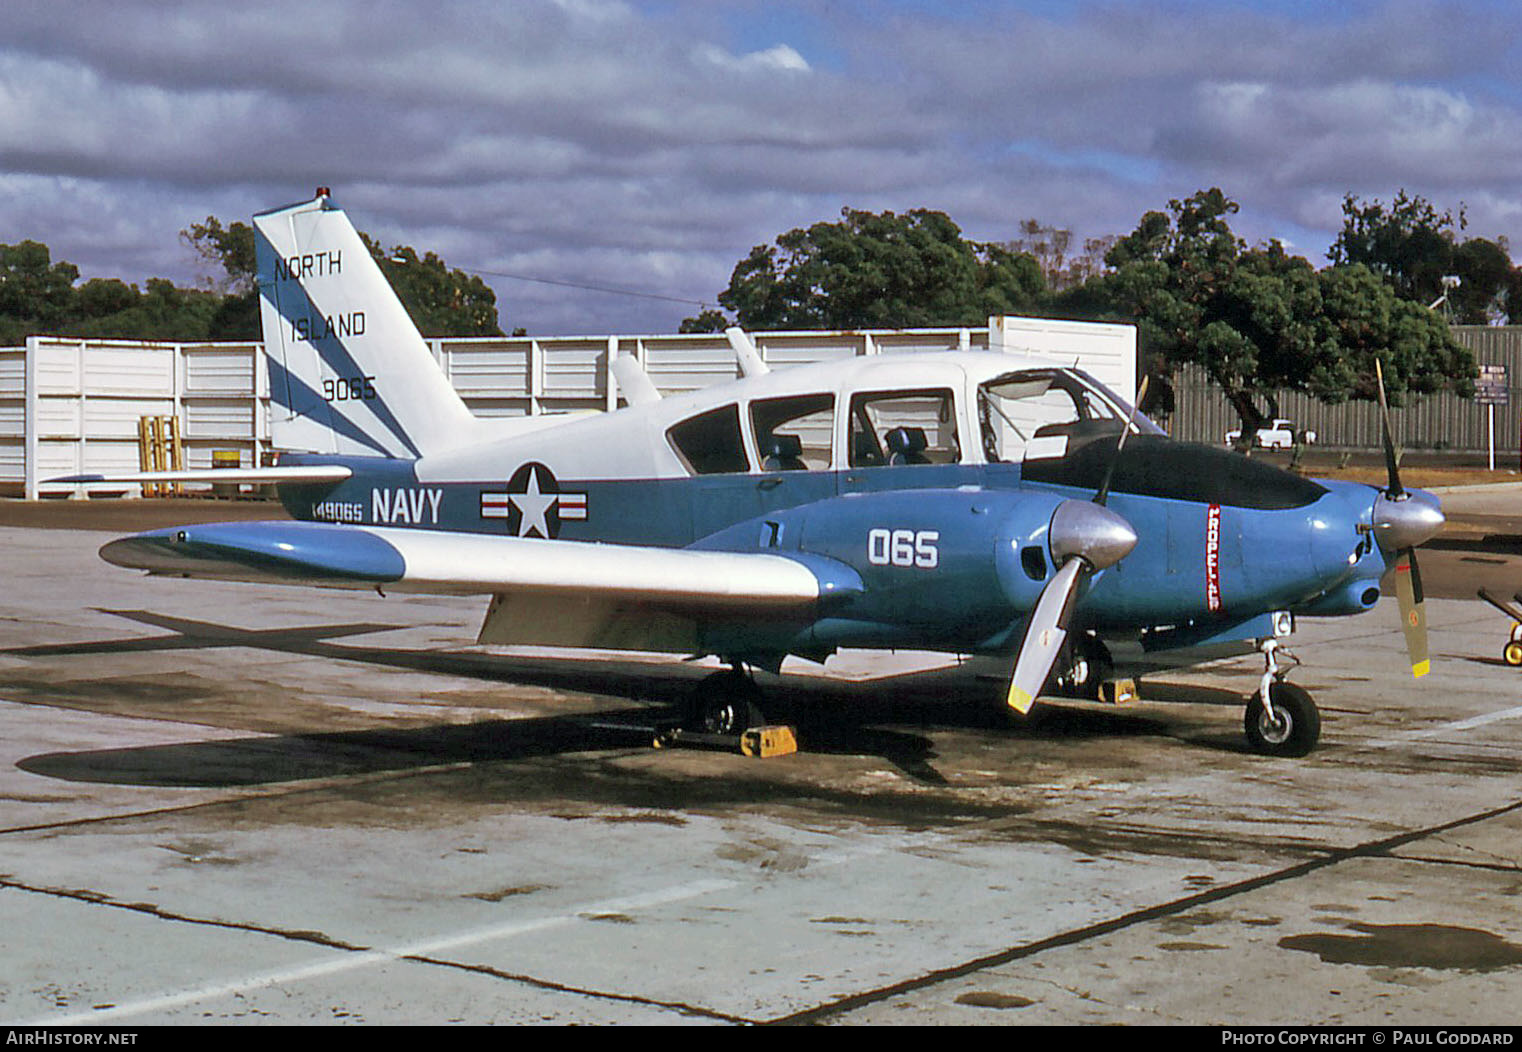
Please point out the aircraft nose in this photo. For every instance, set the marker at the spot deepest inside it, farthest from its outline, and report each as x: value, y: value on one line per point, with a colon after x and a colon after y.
x: 1402, y: 523
x: 1090, y: 531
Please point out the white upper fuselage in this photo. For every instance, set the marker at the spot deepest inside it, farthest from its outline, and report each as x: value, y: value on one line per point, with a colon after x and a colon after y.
x: 632, y: 442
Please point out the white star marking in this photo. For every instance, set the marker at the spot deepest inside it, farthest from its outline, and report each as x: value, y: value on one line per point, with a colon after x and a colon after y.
x: 533, y: 506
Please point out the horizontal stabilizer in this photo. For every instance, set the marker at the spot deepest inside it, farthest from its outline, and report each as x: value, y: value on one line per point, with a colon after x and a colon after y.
x: 313, y: 474
x: 746, y: 352
x: 472, y: 564
x: 633, y: 382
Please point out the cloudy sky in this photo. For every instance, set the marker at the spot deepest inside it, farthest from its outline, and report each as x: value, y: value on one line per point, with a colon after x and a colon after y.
x: 646, y: 145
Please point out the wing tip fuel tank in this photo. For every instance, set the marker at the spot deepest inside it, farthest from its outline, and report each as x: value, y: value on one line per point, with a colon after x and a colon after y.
x: 295, y: 552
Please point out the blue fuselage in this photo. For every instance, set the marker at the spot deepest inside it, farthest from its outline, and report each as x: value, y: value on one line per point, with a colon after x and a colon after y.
x: 949, y: 555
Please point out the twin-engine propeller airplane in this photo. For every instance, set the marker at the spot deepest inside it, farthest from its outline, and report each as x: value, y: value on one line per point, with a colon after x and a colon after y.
x: 970, y: 502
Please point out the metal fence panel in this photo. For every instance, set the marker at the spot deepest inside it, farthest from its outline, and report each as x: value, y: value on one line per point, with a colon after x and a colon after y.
x: 488, y: 369
x: 1441, y: 422
x: 220, y: 370
x: 679, y: 365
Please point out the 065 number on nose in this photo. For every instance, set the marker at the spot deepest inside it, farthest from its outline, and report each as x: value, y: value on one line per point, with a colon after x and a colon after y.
x: 917, y: 548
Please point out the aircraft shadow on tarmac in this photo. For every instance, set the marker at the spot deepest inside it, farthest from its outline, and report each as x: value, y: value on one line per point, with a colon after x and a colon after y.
x: 1498, y: 543
x: 832, y: 716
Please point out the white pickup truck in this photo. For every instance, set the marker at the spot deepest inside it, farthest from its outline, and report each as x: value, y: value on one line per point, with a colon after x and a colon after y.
x: 1280, y: 434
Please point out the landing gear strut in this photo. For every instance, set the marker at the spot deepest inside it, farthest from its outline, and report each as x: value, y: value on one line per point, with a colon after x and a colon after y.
x: 1281, y: 718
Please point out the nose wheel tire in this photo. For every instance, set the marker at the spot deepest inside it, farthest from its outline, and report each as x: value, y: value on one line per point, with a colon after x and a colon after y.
x: 1512, y: 653
x: 1292, y: 729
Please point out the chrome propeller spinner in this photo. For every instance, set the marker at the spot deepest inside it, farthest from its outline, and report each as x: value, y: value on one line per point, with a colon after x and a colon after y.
x: 1406, y: 521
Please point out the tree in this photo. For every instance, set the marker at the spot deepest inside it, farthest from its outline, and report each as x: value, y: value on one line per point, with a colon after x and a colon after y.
x: 1367, y: 321
x: 709, y: 320
x: 1410, y: 244
x: 878, y: 270
x: 162, y: 311
x: 1416, y: 249
x: 1051, y: 247
x: 231, y: 248
x: 441, y: 302
x: 103, y: 297
x: 36, y: 294
x: 1260, y: 320
x: 1486, y: 280
x: 39, y: 296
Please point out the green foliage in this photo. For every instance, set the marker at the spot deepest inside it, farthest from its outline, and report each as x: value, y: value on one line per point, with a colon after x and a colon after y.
x: 231, y: 248
x: 1368, y: 321
x: 103, y: 297
x: 1052, y: 248
x: 1486, y: 282
x: 1260, y: 320
x: 35, y: 293
x: 1414, y: 247
x: 162, y: 312
x: 38, y: 296
x: 874, y: 270
x: 442, y: 302
x: 706, y: 321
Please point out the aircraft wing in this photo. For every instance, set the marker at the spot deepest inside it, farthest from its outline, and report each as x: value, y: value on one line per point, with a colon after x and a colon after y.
x: 428, y: 561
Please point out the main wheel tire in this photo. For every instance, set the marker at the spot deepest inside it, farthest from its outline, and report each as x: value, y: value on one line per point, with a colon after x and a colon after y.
x: 1295, y: 727
x: 1512, y: 653
x: 726, y: 703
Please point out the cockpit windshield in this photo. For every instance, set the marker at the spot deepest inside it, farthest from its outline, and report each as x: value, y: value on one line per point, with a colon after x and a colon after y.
x: 1033, y: 414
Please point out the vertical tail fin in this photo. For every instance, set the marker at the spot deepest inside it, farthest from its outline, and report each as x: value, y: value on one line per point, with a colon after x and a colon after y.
x: 349, y: 372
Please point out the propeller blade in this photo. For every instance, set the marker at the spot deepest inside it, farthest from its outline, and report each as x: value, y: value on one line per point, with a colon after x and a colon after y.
x: 1103, y: 493
x: 1044, y: 635
x: 1402, y: 522
x: 1083, y: 538
x: 1413, y: 611
x: 1394, y: 490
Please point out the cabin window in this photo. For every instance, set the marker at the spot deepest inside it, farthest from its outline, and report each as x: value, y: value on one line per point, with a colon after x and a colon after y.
x: 1035, y: 414
x: 795, y: 433
x: 891, y: 428
x: 710, y: 443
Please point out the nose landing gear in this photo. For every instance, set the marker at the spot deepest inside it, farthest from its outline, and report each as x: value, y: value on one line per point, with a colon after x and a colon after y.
x: 1281, y: 718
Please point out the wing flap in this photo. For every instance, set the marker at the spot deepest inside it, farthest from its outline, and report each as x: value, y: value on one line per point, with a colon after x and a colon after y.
x: 587, y: 621
x: 438, y: 562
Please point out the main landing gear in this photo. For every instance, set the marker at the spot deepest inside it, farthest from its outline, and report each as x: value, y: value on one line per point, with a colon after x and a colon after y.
x: 724, y: 711
x: 1281, y: 718
x: 1083, y: 667
x: 727, y: 703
